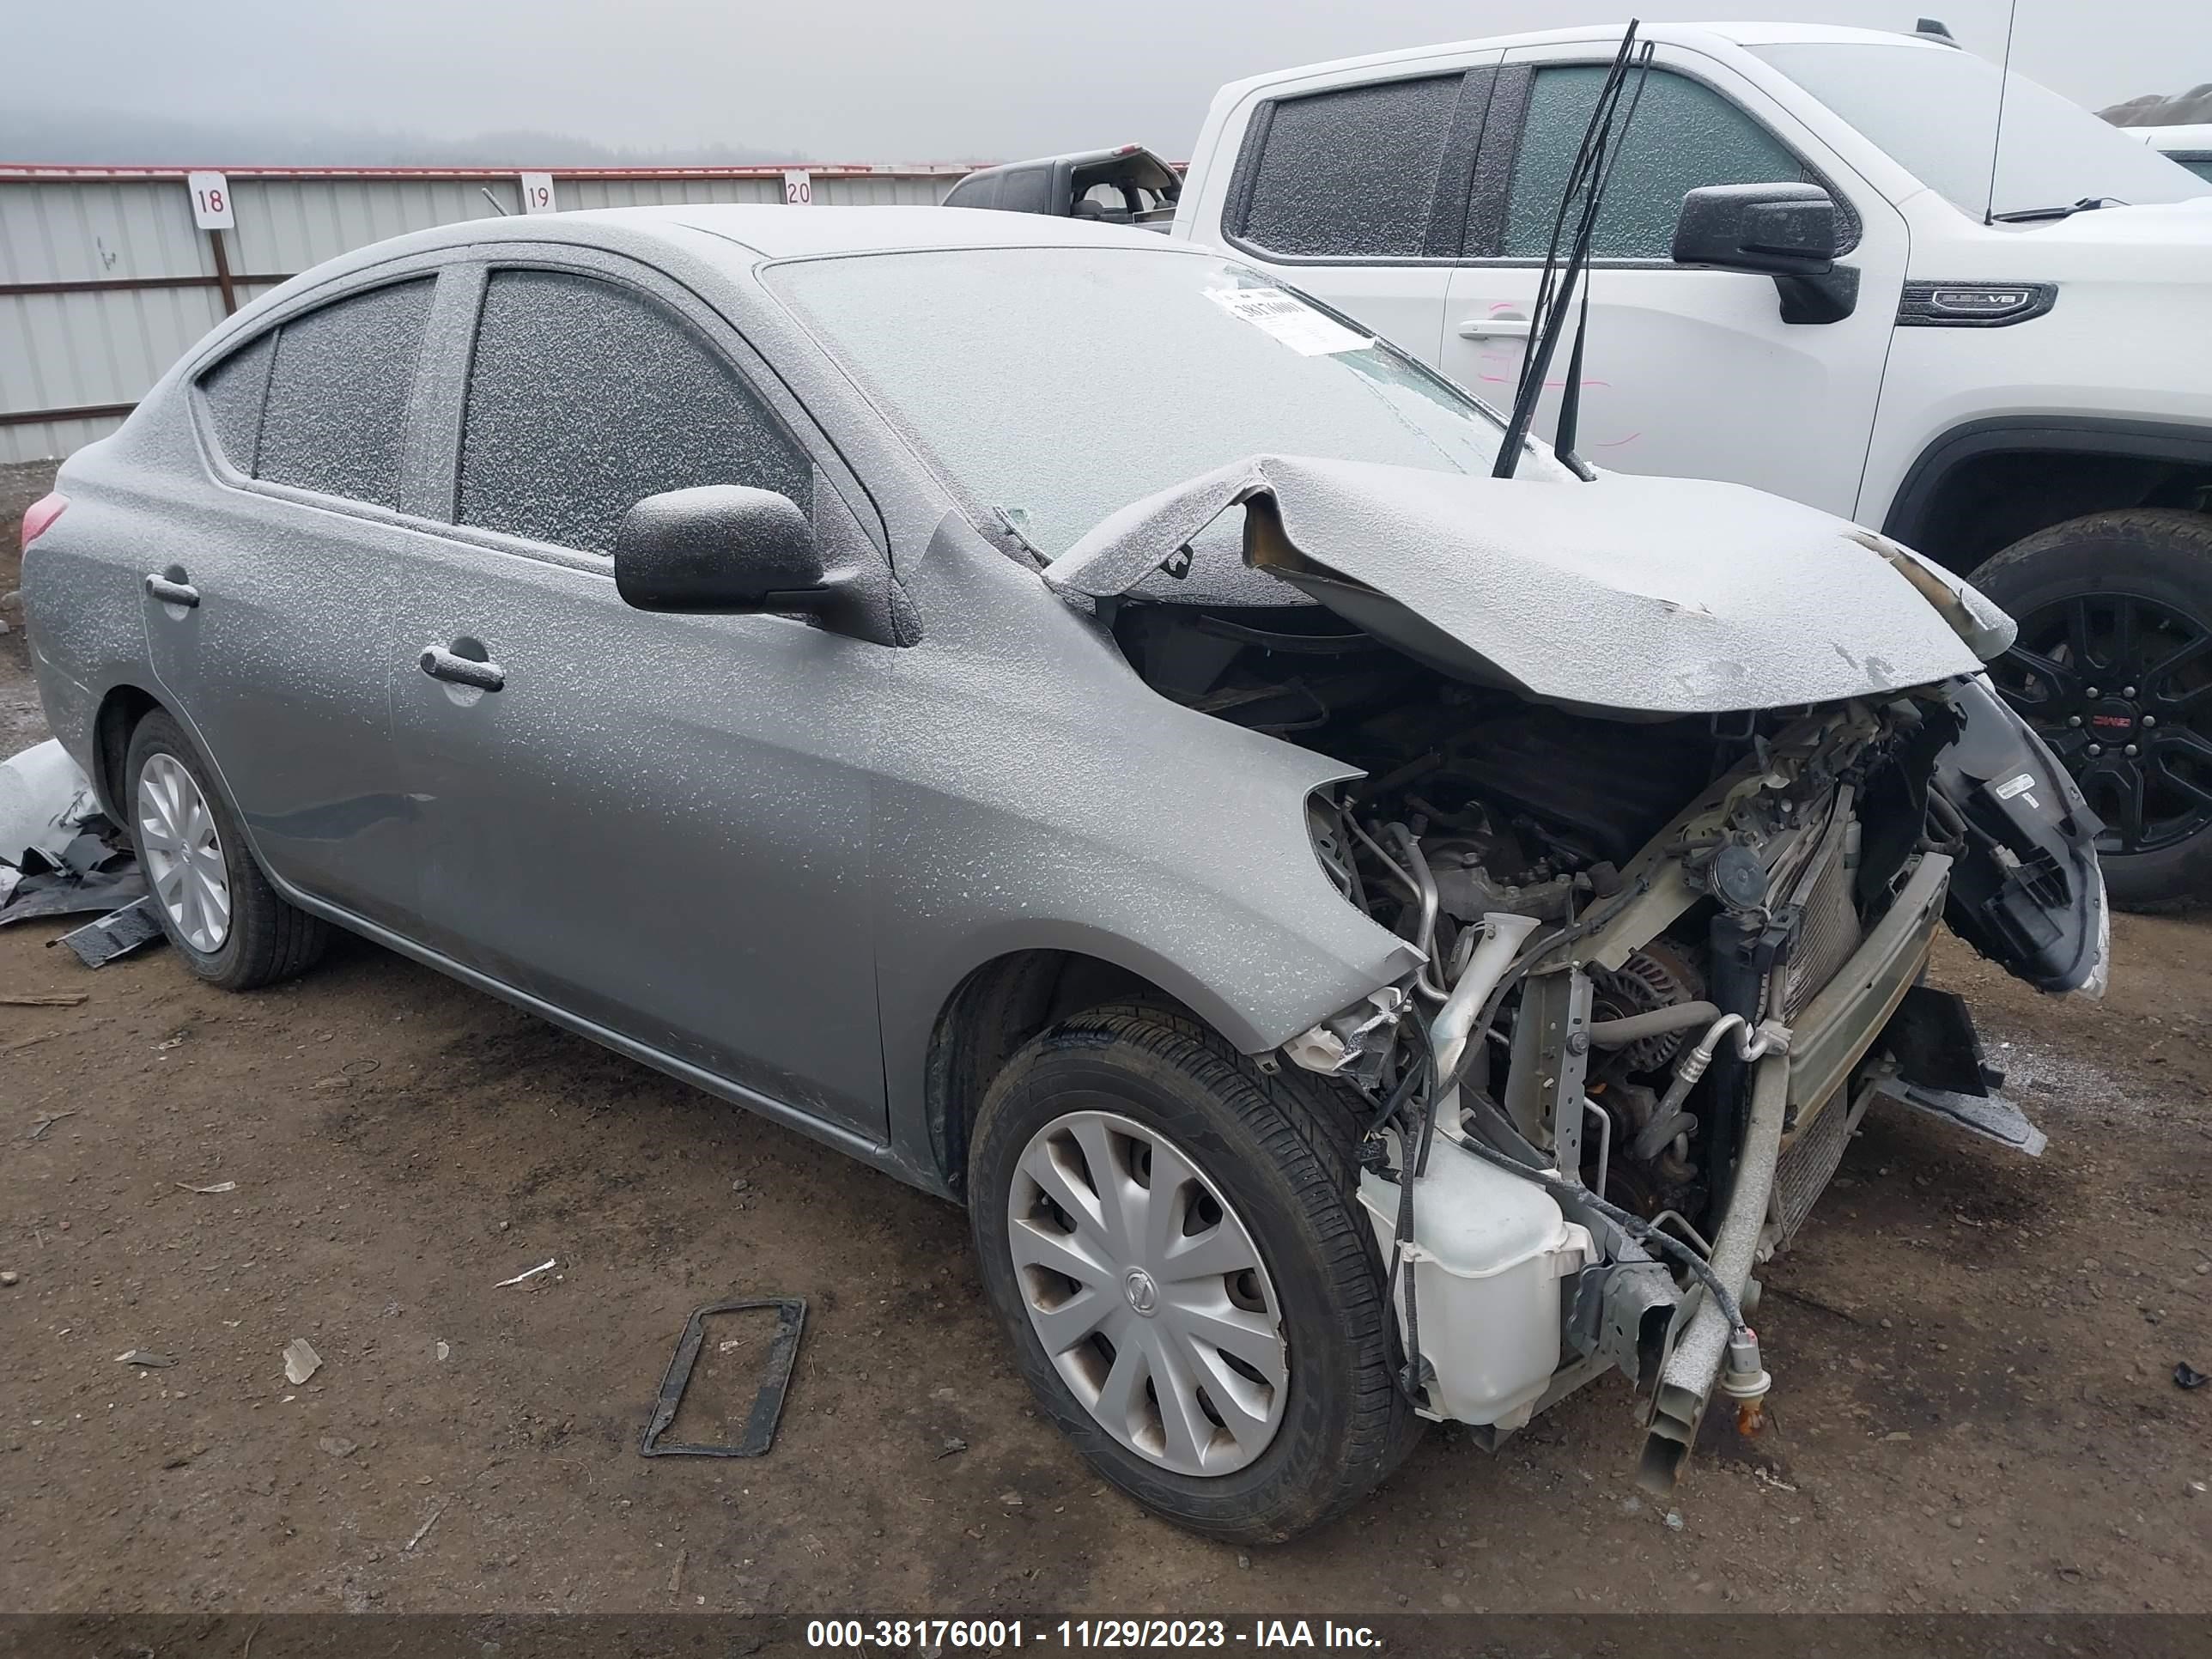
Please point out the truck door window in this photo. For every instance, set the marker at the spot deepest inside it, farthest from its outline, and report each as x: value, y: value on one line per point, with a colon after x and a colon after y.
x: 1685, y: 135
x: 1346, y: 174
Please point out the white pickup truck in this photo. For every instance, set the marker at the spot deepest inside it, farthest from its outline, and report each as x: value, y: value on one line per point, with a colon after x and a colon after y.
x: 2010, y: 367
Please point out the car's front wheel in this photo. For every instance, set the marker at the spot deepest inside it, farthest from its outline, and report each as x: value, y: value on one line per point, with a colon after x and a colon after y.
x: 1168, y: 1236
x: 218, y: 910
x: 2113, y: 668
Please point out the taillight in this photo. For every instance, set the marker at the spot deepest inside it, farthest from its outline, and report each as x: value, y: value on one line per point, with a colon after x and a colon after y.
x: 40, y: 516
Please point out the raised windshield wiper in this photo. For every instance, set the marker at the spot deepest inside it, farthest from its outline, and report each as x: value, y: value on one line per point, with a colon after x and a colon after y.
x: 1555, y: 293
x: 2028, y: 216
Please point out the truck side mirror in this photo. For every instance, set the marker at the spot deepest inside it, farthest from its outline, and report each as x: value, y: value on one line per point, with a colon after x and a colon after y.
x: 1787, y: 232
x: 1769, y: 230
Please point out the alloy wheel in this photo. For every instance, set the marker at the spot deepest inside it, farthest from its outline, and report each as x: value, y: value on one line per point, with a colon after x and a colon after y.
x: 1148, y: 1293
x: 2120, y: 687
x: 183, y: 853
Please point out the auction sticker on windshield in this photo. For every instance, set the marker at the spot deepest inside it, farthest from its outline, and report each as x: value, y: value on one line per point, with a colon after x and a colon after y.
x: 1308, y: 332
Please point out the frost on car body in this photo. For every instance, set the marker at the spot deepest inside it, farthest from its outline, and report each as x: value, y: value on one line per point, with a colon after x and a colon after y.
x: 1093, y: 740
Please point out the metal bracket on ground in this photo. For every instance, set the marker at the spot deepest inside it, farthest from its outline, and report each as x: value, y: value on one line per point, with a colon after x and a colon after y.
x: 767, y: 1403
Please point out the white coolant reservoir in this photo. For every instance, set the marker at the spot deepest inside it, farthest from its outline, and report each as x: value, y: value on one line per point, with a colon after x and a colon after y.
x: 1487, y: 1256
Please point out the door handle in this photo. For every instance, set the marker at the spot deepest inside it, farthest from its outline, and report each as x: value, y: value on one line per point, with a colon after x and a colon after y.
x: 1502, y: 327
x: 172, y: 590
x: 440, y: 664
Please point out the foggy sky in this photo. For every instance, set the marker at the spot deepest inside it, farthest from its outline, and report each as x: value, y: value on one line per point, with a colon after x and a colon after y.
x: 878, y: 80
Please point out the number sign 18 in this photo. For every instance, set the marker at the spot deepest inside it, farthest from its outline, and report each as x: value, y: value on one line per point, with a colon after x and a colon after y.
x: 211, y: 208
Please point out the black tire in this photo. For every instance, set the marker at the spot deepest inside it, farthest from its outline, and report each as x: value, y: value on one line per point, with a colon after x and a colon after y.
x: 2156, y: 562
x: 268, y: 939
x: 1283, y: 1164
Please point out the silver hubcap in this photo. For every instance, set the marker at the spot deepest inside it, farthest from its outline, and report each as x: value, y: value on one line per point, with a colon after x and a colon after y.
x: 1148, y: 1294
x: 184, y: 855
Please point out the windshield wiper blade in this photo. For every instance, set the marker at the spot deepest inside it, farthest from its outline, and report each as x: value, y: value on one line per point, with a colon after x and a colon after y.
x: 2029, y: 215
x: 1580, y: 200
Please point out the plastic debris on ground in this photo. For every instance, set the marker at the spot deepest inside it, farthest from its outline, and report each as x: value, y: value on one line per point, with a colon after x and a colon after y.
x: 59, y: 855
x: 300, y: 1361
x: 2186, y: 1376
x: 44, y: 797
x: 99, y: 943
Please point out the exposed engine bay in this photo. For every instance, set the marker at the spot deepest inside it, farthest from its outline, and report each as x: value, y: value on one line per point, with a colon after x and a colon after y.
x: 1669, y: 960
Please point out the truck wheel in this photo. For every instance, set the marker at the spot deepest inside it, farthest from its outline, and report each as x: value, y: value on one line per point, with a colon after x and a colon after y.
x: 2113, y: 668
x: 218, y: 910
x: 1168, y: 1235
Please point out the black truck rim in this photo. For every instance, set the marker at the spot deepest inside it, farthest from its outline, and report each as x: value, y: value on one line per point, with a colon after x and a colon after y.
x: 2120, y: 687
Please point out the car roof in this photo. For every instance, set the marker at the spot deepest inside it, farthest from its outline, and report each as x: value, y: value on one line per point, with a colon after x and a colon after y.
x: 732, y: 237
x: 772, y: 231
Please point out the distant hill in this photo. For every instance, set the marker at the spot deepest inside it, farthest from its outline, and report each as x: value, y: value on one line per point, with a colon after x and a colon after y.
x: 2184, y: 109
x: 113, y: 137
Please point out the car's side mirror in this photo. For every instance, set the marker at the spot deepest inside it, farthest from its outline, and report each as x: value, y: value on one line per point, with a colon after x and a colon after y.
x: 722, y: 549
x: 1771, y: 230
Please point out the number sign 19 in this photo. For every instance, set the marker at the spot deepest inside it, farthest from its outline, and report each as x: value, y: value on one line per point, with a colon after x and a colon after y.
x: 538, y: 193
x: 211, y: 208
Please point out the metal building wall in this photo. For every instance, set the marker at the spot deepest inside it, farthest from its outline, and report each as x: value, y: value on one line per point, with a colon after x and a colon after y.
x: 105, y: 281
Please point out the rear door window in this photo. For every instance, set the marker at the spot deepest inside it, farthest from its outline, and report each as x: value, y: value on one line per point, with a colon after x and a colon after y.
x: 1348, y: 174
x: 587, y: 396
x: 334, y: 419
x: 1685, y: 135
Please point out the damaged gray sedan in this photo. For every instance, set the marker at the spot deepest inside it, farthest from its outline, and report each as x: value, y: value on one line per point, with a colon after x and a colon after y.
x: 1072, y: 723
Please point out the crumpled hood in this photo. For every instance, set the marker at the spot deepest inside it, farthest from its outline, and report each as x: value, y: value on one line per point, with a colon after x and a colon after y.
x: 1670, y: 595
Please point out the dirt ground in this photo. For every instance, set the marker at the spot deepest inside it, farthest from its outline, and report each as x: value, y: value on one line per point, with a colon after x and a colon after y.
x: 1974, y: 1352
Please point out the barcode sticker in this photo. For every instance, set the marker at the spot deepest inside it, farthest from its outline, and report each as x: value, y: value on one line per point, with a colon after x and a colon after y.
x: 1295, y: 324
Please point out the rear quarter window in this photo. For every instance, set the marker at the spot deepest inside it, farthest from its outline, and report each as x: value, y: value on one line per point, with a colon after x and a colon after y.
x: 235, y: 389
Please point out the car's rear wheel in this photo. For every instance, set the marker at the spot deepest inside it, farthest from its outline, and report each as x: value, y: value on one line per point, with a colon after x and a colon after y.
x: 1169, y: 1237
x: 218, y: 910
x: 2113, y: 668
